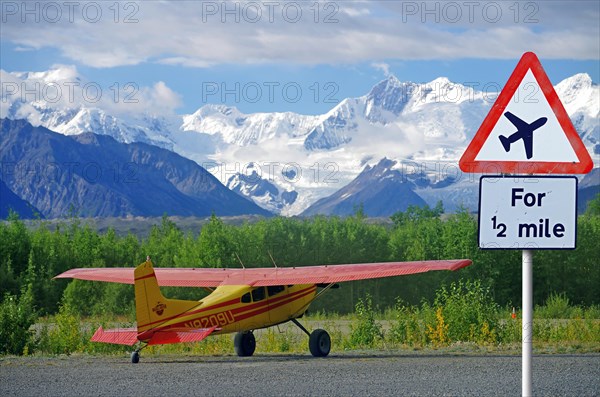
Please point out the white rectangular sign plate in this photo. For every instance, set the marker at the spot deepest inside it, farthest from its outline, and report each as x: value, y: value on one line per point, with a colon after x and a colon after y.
x: 527, y: 212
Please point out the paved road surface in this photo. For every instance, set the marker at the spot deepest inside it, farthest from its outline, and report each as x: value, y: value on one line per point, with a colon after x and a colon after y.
x: 341, y: 374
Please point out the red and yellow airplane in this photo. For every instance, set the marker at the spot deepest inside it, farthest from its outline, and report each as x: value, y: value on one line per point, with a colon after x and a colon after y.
x: 242, y: 300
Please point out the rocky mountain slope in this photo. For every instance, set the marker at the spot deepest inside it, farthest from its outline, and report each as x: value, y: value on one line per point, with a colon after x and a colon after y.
x: 94, y: 175
x: 378, y: 191
x: 9, y: 201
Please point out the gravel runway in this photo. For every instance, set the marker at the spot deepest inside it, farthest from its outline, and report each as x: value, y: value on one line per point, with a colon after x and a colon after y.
x: 340, y: 374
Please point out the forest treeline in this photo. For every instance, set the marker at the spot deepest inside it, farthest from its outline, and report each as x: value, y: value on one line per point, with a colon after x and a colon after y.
x: 31, y: 256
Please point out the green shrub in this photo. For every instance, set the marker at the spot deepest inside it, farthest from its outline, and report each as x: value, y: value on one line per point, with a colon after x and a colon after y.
x: 63, y: 335
x: 560, y: 331
x: 592, y: 312
x: 366, y: 331
x: 17, y: 315
x: 408, y: 327
x: 465, y: 311
x: 438, y: 332
x: 469, y: 311
x: 557, y: 306
x: 509, y: 331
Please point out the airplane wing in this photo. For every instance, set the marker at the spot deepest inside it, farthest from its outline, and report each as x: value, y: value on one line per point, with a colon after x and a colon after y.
x: 517, y: 122
x: 213, y: 277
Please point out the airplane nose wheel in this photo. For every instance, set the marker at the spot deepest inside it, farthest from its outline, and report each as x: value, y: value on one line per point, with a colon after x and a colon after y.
x: 319, y: 343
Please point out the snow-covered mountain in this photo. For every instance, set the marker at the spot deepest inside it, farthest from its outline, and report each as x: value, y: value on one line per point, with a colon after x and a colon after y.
x: 61, y: 101
x: 380, y: 190
x: 581, y: 99
x: 287, y: 161
x: 241, y: 129
x: 263, y: 192
x: 435, y: 109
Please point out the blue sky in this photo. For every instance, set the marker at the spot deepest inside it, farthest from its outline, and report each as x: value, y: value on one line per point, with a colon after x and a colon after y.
x: 294, y: 56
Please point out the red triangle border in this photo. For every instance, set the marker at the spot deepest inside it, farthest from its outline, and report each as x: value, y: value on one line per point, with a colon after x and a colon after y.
x: 467, y: 163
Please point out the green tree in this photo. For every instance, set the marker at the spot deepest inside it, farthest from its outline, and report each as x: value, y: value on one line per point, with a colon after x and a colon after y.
x: 593, y: 207
x: 16, y: 244
x: 84, y: 297
x: 216, y: 249
x: 163, y: 243
x: 415, y: 213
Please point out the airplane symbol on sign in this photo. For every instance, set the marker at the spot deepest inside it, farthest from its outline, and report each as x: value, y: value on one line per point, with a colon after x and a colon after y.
x: 524, y: 132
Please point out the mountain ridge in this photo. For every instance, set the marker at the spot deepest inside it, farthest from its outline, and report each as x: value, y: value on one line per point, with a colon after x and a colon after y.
x: 425, y: 123
x: 97, y: 176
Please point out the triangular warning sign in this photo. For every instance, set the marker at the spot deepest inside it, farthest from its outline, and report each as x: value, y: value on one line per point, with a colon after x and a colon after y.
x: 528, y: 130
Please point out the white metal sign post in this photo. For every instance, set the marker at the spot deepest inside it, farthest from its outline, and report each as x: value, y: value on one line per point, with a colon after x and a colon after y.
x: 527, y: 323
x: 527, y: 213
x: 527, y: 132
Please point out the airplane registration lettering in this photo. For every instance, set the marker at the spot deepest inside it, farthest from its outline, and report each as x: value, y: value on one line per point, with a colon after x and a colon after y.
x: 214, y: 320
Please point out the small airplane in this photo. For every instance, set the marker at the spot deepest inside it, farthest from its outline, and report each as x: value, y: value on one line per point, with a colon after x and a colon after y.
x: 241, y: 300
x: 524, y: 132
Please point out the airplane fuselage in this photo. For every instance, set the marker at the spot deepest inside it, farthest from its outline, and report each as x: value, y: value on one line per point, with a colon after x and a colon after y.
x: 239, y: 308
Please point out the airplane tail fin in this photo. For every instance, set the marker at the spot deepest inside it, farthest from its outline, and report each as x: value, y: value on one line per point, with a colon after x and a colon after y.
x: 505, y: 142
x: 151, y: 307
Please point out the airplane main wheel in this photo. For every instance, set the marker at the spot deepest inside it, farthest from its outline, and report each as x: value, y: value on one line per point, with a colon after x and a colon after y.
x: 135, y: 357
x: 244, y: 344
x: 319, y: 343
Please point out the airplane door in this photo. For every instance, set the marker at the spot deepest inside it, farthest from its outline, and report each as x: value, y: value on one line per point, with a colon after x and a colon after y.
x: 279, y: 310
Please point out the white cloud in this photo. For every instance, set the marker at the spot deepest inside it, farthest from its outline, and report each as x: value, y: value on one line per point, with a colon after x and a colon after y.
x: 160, y: 98
x: 203, y: 34
x: 62, y: 87
x: 24, y: 49
x: 384, y: 67
x: 394, y: 140
x: 185, y: 61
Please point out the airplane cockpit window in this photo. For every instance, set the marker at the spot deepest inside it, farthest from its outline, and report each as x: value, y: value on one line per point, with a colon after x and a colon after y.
x: 275, y: 289
x: 258, y: 294
x: 246, y: 298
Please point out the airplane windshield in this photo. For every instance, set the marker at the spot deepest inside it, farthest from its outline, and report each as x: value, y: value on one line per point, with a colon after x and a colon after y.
x: 246, y: 298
